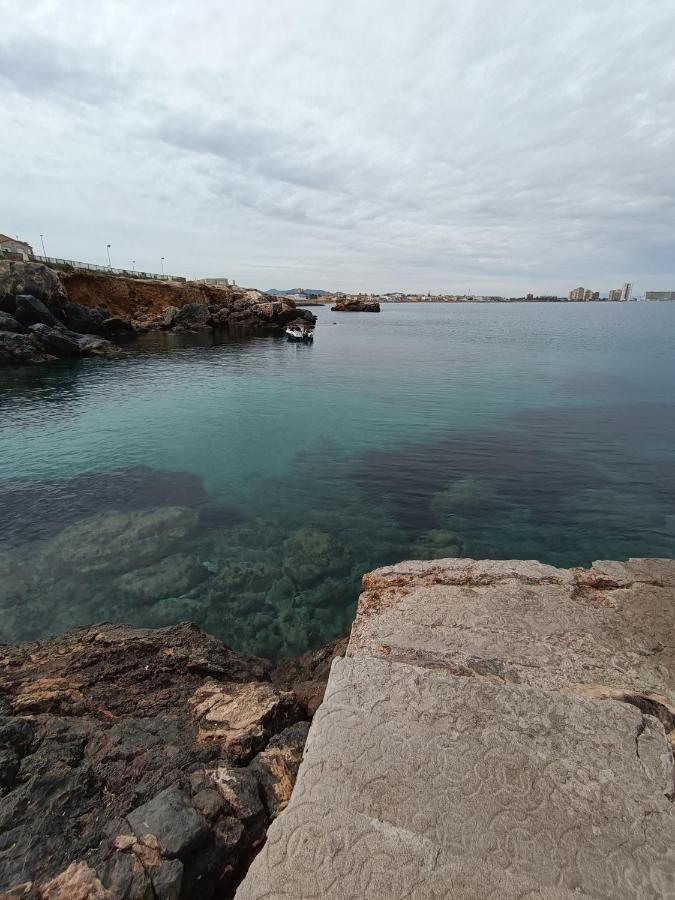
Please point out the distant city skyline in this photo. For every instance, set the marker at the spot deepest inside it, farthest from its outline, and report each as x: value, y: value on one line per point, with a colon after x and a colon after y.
x: 378, y: 146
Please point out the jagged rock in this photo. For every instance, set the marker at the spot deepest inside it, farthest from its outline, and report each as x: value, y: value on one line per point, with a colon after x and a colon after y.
x: 57, y: 341
x: 355, y: 304
x: 96, y: 346
x: 34, y: 279
x: 170, y: 314
x: 110, y: 789
x: 307, y: 675
x: 9, y: 323
x: 31, y: 311
x: 171, y: 818
x: 21, y: 349
x: 239, y: 718
x: 85, y: 320
x: 192, y: 315
x: 117, y: 327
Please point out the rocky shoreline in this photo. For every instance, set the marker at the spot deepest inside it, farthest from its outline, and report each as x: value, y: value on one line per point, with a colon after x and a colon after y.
x: 47, y: 315
x: 141, y: 763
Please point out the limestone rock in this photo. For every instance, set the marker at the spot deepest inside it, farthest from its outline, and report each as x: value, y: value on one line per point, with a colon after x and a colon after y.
x: 499, y: 729
x: 239, y: 718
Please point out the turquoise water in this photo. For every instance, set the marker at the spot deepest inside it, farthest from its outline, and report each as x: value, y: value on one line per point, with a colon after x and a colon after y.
x: 247, y: 484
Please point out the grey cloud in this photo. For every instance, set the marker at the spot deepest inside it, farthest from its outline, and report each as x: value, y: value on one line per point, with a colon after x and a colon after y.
x: 375, y: 144
x: 38, y: 66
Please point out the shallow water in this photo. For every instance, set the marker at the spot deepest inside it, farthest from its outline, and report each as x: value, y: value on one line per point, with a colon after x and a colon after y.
x: 247, y: 484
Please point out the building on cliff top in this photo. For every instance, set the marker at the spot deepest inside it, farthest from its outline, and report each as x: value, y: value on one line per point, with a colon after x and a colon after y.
x: 14, y: 248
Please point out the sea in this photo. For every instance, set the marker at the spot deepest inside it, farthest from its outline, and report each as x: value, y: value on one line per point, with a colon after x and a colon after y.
x: 246, y: 483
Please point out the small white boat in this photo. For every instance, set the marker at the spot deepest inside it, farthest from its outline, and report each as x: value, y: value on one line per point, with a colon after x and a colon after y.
x: 300, y: 333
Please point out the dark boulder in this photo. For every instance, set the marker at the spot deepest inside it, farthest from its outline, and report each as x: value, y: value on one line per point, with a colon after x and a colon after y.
x: 117, y: 327
x: 85, y: 320
x: 173, y: 820
x: 9, y: 323
x: 21, y: 350
x: 57, y: 341
x: 191, y: 315
x: 31, y: 311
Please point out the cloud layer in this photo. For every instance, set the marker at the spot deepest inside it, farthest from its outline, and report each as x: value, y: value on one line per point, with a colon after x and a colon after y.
x: 375, y: 145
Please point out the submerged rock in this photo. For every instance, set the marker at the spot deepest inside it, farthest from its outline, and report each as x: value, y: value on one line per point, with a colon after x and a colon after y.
x: 35, y: 509
x: 118, y: 542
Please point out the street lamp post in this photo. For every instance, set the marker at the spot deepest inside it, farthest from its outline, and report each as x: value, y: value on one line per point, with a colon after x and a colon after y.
x: 108, y: 249
x: 42, y: 239
x: 133, y: 265
x: 162, y: 267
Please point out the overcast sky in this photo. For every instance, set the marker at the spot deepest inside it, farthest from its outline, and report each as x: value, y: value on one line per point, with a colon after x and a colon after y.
x: 402, y: 144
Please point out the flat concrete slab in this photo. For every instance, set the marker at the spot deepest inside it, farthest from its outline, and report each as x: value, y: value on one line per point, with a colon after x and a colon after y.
x: 498, y: 730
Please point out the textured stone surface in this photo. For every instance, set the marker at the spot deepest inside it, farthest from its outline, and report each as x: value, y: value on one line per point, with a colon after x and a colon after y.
x: 524, y: 622
x: 113, y: 784
x: 499, y: 729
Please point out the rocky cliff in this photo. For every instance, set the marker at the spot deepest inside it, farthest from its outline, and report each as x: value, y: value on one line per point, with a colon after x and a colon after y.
x: 140, y: 763
x: 46, y: 315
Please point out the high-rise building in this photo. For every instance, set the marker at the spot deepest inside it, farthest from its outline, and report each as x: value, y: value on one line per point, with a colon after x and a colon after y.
x: 615, y: 294
x: 627, y: 291
x: 577, y: 293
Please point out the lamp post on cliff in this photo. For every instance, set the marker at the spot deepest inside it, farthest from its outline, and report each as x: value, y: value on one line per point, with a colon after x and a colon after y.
x: 133, y: 265
x: 42, y: 241
x: 107, y: 246
x: 162, y: 267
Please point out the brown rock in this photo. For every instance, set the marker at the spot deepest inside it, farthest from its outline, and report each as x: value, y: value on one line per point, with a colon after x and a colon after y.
x: 77, y: 882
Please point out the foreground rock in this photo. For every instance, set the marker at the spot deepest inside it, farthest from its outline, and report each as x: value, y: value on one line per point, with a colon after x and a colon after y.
x: 498, y: 729
x: 138, y: 763
x: 355, y: 304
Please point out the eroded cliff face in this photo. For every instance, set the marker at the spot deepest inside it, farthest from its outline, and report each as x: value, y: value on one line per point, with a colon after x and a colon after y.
x: 143, y: 302
x: 180, y: 305
x: 138, y: 763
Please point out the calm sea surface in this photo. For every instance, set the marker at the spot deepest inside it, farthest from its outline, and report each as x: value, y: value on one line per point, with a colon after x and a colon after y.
x: 247, y: 484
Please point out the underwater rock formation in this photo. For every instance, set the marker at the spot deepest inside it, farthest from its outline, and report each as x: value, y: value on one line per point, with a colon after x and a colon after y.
x: 139, y: 763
